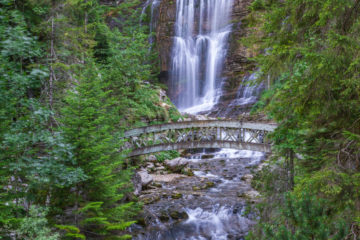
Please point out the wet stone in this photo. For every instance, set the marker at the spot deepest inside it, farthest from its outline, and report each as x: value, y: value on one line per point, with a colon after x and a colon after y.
x: 207, y: 156
x: 176, y: 195
x: 164, y: 217
x: 176, y: 215
x: 209, y: 184
x: 151, y: 158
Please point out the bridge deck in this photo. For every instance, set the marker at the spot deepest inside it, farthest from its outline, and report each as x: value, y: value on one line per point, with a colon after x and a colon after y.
x: 199, y: 134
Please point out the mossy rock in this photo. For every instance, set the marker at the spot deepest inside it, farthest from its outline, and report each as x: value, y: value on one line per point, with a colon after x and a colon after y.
x: 187, y: 172
x: 241, y: 195
x: 164, y: 217
x: 150, y: 199
x: 209, y: 184
x: 176, y: 195
x: 176, y: 215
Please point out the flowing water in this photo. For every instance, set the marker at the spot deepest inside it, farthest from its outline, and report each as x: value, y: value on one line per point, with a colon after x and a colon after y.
x: 249, y: 92
x: 212, y: 211
x: 154, y: 14
x: 201, y: 32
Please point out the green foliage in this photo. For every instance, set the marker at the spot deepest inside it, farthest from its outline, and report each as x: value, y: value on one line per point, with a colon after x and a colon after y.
x: 71, y: 232
x: 257, y: 5
x: 35, y: 226
x: 168, y: 155
x: 90, y: 117
x: 303, y: 218
x: 310, y: 54
x: 34, y: 156
x: 66, y: 96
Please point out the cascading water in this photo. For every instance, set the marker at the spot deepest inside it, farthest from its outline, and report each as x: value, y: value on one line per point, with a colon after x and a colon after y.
x: 249, y: 92
x: 202, y: 29
x: 154, y: 5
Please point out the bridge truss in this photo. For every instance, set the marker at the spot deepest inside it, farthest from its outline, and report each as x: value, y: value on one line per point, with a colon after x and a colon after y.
x: 199, y: 134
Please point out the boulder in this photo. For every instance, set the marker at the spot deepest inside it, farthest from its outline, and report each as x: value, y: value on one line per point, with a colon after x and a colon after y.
x: 247, y: 178
x: 151, y: 158
x: 178, y: 215
x: 150, y: 165
x: 162, y: 95
x: 140, y: 180
x: 167, y: 177
x: 160, y: 168
x: 145, y: 178
x: 149, y: 198
x: 176, y: 164
x: 136, y: 180
x: 252, y: 195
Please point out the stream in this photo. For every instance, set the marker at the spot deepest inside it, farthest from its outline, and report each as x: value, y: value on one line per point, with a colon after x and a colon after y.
x: 208, y: 205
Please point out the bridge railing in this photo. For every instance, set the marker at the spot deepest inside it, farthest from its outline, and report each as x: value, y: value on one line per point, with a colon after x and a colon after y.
x: 200, y: 133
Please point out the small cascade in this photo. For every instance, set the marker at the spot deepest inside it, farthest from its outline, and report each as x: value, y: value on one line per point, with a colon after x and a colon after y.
x: 201, y: 33
x: 154, y: 15
x: 249, y: 92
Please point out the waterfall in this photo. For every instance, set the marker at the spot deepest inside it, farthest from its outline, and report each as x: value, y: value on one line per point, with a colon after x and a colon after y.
x: 154, y: 13
x: 249, y: 92
x: 201, y: 33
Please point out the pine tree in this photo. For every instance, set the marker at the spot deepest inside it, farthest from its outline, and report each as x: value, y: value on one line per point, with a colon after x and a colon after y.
x: 90, y: 125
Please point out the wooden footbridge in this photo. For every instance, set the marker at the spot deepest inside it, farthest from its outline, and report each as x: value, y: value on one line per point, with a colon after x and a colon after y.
x: 199, y: 134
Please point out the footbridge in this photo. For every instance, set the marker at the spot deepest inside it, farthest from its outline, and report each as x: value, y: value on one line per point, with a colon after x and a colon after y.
x: 199, y: 134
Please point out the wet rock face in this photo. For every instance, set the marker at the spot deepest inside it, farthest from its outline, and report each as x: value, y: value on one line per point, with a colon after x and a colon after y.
x: 165, y: 32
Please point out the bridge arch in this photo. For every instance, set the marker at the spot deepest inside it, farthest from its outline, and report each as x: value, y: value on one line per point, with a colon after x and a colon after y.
x: 199, y: 134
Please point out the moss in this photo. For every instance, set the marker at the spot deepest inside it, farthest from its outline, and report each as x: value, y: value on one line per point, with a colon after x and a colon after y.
x: 176, y: 195
x: 209, y: 184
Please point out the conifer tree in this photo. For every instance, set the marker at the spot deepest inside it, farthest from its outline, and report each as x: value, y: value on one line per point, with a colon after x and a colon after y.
x: 90, y: 120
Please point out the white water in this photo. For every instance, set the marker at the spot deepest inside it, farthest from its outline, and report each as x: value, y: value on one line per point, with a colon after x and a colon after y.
x: 249, y: 92
x: 201, y: 32
x: 217, y: 223
x: 154, y: 14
